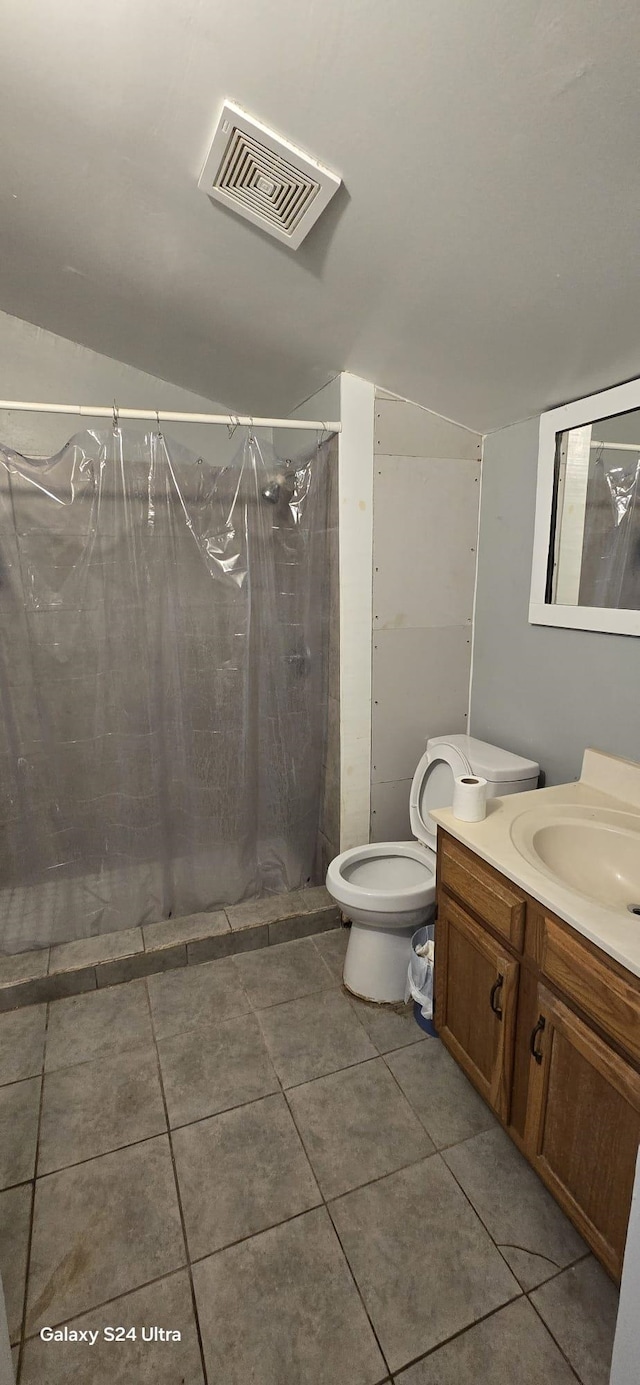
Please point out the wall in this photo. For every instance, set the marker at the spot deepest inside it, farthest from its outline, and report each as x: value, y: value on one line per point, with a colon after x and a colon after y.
x: 325, y: 405
x: 425, y: 518
x: 329, y: 834
x: 626, y: 1346
x: 40, y: 366
x: 356, y: 550
x: 538, y: 690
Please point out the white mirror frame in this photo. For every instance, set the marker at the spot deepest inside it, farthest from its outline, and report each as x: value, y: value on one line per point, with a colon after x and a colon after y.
x: 619, y: 400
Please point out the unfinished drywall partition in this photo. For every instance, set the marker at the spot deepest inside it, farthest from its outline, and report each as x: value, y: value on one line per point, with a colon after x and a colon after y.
x: 425, y: 519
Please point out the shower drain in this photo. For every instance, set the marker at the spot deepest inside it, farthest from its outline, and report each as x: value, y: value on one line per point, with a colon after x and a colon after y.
x: 634, y: 909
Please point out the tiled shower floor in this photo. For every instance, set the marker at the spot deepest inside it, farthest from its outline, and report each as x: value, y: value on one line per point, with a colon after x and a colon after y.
x: 304, y: 1187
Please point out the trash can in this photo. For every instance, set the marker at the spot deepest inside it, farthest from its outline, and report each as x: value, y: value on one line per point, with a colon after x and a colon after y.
x: 420, y: 980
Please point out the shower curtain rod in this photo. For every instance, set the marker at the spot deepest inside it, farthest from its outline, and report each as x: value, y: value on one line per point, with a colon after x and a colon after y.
x: 617, y: 446
x: 170, y: 416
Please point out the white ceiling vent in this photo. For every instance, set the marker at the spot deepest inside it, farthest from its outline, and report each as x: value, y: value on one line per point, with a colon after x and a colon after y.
x: 264, y: 178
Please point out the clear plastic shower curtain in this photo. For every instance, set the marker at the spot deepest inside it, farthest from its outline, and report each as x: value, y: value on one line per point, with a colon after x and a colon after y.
x: 163, y: 636
x: 610, y: 574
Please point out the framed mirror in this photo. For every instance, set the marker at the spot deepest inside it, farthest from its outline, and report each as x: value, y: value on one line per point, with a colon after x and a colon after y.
x: 586, y: 550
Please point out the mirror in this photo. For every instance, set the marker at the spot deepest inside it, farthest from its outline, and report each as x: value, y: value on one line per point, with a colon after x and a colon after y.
x: 586, y: 562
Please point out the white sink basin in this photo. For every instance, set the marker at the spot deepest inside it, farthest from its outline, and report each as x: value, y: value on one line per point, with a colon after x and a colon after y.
x: 593, y: 851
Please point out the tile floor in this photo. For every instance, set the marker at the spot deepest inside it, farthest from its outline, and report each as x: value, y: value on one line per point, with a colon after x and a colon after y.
x: 304, y: 1187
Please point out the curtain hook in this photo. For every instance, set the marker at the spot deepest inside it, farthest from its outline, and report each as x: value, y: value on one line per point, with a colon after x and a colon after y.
x: 158, y: 423
x: 231, y: 427
x: 116, y: 417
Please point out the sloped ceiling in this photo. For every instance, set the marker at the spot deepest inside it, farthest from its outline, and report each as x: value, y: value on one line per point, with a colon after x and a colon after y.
x: 482, y: 258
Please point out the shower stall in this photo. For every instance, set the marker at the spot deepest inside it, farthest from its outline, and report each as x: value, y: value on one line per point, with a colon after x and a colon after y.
x: 164, y: 625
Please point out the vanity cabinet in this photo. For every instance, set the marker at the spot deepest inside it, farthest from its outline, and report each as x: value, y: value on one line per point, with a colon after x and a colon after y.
x: 547, y: 1027
x: 477, y: 1003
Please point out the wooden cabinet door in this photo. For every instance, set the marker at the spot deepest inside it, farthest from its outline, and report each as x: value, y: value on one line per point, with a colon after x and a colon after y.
x: 476, y: 997
x: 583, y: 1126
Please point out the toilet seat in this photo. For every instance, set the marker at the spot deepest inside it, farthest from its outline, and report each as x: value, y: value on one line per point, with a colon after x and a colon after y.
x: 432, y: 787
x: 393, y: 877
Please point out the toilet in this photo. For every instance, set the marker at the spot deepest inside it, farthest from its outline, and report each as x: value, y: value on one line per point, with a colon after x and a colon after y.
x: 388, y: 889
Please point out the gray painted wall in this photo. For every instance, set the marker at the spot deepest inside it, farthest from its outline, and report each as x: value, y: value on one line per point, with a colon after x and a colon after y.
x: 536, y: 690
x: 39, y: 365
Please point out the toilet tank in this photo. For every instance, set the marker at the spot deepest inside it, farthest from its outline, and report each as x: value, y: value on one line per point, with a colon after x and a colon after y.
x: 504, y: 772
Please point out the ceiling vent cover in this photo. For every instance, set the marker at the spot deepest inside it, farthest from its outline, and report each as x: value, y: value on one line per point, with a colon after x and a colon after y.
x: 264, y: 178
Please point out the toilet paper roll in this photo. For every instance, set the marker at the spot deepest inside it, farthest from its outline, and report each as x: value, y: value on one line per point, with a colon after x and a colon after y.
x: 469, y: 798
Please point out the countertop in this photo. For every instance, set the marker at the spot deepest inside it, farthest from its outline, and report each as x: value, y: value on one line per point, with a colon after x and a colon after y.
x: 616, y: 932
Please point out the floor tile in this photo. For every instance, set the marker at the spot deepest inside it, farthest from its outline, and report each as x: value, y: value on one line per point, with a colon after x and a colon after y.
x: 356, y: 1125
x: 388, y: 1026
x: 510, y: 1346
x: 22, y: 1043
x: 422, y: 1260
x: 202, y: 994
x: 519, y: 1213
x: 167, y: 1304
x: 100, y: 1022
x: 15, y: 1215
x: 104, y: 947
x: 101, y: 1229
x: 214, y: 1068
x: 332, y: 947
x: 282, y: 1309
x: 98, y: 1106
x: 308, y: 1038
x: 168, y: 932
x: 580, y: 1308
x: 241, y: 1172
x: 19, y: 1108
x: 283, y: 972
x: 448, y: 1106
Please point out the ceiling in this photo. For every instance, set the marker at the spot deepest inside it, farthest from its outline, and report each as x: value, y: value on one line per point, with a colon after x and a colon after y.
x: 481, y: 259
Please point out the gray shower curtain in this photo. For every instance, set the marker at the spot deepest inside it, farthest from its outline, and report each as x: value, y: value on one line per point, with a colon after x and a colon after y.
x: 163, y: 636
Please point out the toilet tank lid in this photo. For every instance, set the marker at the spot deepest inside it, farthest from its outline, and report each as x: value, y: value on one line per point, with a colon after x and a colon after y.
x: 487, y: 761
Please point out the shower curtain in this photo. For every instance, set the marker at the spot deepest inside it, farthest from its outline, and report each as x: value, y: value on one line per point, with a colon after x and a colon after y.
x: 610, y: 569
x: 163, y: 635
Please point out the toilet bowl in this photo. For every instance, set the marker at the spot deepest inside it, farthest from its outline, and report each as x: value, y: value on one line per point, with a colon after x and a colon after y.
x: 388, y: 889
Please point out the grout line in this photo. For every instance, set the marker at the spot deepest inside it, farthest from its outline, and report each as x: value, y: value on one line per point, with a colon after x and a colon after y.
x: 104, y: 1303
x: 548, y: 1329
x: 178, y: 1195
x: 103, y: 1054
x: 102, y: 1154
x: 461, y: 1333
x: 4, y: 1086
x: 335, y: 1232
x: 27, y: 1269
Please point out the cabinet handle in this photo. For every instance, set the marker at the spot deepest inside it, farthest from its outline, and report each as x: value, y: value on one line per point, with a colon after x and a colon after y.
x: 497, y: 985
x: 535, y: 1052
